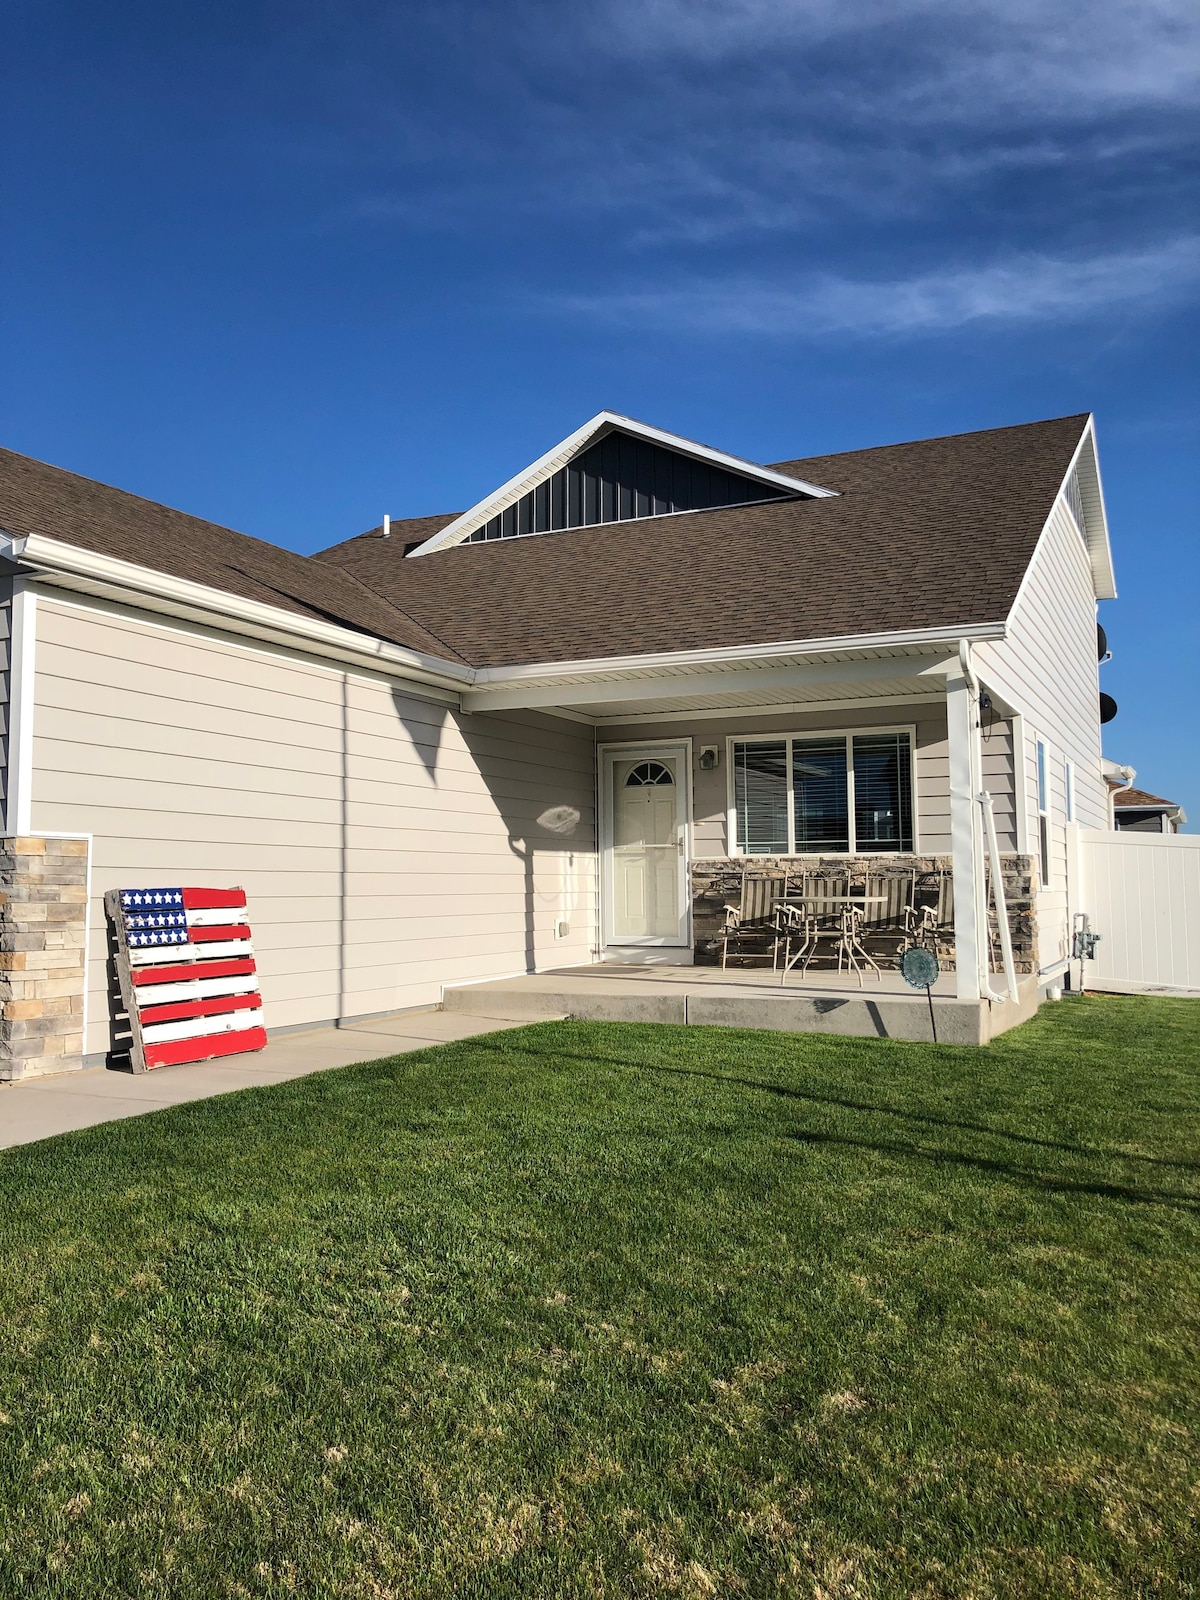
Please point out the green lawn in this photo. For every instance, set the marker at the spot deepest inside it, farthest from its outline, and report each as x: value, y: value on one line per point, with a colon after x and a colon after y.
x: 622, y: 1311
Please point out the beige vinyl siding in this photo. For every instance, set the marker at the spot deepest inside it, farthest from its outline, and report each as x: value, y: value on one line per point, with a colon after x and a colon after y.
x: 711, y: 789
x: 388, y: 844
x: 1046, y: 668
x: 5, y: 686
x: 996, y: 745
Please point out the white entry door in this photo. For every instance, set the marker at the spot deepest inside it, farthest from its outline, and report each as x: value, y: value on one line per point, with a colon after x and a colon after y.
x: 646, y: 845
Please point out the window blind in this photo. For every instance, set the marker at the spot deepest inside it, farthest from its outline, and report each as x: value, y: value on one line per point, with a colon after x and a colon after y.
x: 883, y: 792
x: 819, y: 781
x: 792, y: 796
x: 760, y: 793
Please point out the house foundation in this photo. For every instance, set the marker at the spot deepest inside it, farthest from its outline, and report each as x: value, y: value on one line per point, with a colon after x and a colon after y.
x: 43, y: 936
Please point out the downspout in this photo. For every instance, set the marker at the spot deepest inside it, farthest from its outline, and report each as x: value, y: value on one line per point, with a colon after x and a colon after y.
x: 989, y: 822
x: 985, y: 819
x: 1120, y: 789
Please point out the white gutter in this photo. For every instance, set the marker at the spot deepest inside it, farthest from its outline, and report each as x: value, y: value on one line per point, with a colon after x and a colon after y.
x: 985, y: 816
x: 731, y: 655
x: 52, y: 557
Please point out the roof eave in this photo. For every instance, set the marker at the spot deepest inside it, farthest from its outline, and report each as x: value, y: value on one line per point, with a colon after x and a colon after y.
x: 750, y: 654
x: 112, y: 578
x: 926, y: 652
x: 1096, y: 535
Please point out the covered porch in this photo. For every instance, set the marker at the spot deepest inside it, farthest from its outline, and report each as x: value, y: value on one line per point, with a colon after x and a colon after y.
x: 855, y: 763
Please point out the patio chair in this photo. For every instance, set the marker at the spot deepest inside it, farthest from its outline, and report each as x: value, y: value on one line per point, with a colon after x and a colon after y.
x: 930, y: 910
x: 885, y: 927
x: 752, y: 928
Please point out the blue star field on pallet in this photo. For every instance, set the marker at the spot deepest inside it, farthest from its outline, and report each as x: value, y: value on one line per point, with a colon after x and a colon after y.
x: 188, y: 974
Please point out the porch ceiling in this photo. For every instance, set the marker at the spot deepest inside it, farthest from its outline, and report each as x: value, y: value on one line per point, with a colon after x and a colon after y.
x: 607, y: 695
x: 764, y: 696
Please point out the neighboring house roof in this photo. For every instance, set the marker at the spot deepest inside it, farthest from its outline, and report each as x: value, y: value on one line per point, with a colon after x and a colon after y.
x: 1142, y: 800
x: 39, y: 499
x: 936, y: 533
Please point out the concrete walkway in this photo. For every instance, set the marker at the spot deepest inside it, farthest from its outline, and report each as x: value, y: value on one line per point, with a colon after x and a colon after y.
x: 46, y: 1106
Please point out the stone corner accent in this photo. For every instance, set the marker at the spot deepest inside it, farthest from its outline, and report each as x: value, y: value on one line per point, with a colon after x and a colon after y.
x: 43, y: 924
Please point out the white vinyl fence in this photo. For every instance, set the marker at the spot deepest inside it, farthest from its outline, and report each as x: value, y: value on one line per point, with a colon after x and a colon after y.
x: 1141, y: 892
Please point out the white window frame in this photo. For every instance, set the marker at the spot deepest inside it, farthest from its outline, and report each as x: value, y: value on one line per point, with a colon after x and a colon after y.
x: 1041, y: 785
x: 733, y: 843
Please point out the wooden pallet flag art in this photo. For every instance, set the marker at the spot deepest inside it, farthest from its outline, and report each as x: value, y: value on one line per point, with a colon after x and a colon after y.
x: 185, y: 964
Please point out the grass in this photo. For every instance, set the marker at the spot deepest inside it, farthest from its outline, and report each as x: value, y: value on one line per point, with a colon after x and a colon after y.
x: 588, y: 1310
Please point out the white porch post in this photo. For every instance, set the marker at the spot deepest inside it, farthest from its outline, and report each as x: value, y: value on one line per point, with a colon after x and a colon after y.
x: 960, y: 711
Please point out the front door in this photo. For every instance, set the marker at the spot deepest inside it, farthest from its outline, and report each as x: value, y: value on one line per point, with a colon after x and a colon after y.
x: 646, y: 877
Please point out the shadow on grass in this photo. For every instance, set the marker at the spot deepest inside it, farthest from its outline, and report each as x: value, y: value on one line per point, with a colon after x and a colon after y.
x: 1046, y: 1181
x: 1038, y: 1180
x: 922, y: 1116
x: 843, y: 1103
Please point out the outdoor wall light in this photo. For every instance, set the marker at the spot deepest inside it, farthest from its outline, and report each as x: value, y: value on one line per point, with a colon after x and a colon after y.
x: 709, y: 756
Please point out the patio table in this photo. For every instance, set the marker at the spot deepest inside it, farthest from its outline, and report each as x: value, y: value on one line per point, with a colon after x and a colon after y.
x: 850, y: 947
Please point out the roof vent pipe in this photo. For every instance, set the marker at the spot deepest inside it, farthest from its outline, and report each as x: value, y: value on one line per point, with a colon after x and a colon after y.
x: 387, y: 526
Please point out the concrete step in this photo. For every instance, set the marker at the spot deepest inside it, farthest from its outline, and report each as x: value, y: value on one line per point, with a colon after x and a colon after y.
x: 642, y: 998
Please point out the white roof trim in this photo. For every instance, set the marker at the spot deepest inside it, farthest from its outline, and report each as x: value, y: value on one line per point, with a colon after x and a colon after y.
x: 1091, y: 492
x: 128, y: 580
x: 602, y: 423
x: 919, y: 640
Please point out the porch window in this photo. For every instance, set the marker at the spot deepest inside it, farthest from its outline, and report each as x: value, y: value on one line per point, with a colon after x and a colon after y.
x: 832, y: 795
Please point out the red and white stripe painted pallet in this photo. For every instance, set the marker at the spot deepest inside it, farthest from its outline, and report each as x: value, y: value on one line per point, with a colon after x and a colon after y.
x: 185, y: 964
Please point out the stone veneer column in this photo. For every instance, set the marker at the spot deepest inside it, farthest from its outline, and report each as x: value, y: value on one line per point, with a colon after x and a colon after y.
x: 43, y: 922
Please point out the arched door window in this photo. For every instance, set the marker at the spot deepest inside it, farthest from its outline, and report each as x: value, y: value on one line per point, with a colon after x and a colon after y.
x: 648, y: 773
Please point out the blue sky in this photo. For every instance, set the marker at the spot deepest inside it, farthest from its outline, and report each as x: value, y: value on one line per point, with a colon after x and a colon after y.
x: 288, y: 266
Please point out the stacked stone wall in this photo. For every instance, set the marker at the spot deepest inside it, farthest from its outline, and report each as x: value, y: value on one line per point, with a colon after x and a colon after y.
x: 717, y: 882
x: 43, y: 922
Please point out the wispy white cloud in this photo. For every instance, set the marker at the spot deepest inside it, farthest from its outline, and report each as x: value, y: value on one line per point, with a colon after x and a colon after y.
x: 1020, y: 290
x: 976, y: 57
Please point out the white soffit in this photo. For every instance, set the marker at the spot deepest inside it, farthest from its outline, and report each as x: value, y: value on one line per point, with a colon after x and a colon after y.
x: 890, y: 690
x: 1086, y: 465
x: 603, y: 423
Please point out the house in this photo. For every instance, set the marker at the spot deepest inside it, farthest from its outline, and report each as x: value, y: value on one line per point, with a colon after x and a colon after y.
x: 551, y: 730
x: 1146, y: 813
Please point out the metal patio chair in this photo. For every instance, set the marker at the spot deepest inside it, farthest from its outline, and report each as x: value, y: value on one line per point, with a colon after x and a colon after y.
x: 752, y: 927
x: 930, y: 910
x: 885, y: 928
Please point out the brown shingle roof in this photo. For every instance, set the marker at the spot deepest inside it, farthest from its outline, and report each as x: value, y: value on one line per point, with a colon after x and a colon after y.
x: 1139, y: 797
x: 936, y: 533
x: 36, y: 498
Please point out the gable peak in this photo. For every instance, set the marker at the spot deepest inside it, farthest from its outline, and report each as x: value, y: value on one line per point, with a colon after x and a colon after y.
x: 616, y: 469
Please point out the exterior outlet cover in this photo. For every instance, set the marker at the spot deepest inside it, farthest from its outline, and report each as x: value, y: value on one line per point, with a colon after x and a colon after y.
x: 561, y: 930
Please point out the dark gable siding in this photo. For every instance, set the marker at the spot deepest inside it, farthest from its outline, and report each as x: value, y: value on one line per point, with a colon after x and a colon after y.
x: 618, y: 479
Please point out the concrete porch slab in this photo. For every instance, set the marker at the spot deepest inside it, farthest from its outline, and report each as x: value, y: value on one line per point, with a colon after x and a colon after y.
x: 706, y: 996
